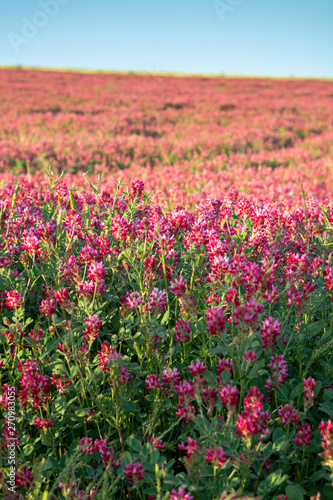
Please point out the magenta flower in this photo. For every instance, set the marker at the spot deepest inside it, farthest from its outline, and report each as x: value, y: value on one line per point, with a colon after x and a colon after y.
x: 181, y: 494
x: 288, y: 415
x: 303, y: 436
x: 134, y: 471
x: 229, y: 396
x: 279, y: 367
x: 215, y: 455
x: 14, y: 299
x: 309, y: 391
x: 215, y: 321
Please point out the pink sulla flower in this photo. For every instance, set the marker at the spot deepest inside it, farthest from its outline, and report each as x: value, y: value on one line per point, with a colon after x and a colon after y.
x: 96, y: 271
x: 209, y: 395
x: 171, y: 376
x: 24, y: 478
x: 108, y: 456
x: 47, y: 307
x: 232, y: 297
x: 30, y: 244
x: 14, y: 299
x: 134, y: 471
x: 269, y: 384
x: 137, y: 188
x: 99, y: 446
x: 253, y: 399
x: 60, y: 383
x: 251, y: 423
x: 35, y: 386
x: 184, y: 389
x: 181, y: 494
x: 156, y: 443
x: 229, y: 396
x: 215, y: 323
x: 86, y: 444
x: 153, y: 382
x: 288, y: 415
x: 4, y: 262
x: 250, y: 356
x: 89, y: 416
x: 61, y: 296
x: 197, y: 368
x: 328, y: 276
x: 106, y: 354
x: 224, y: 364
x: 215, y: 455
x: 178, y: 287
x: 182, y: 330
x: 43, y: 424
x: 220, y: 265
x: 309, y: 391
x: 157, y: 300
x: 326, y: 432
x: 186, y: 411
x: 303, y: 436
x: 92, y: 331
x: 247, y: 313
x: 269, y: 332
x: 37, y: 335
x: 133, y: 300
x: 279, y: 366
x: 86, y: 288
x: 192, y: 447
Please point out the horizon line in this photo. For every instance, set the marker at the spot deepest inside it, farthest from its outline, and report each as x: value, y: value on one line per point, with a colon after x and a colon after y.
x: 158, y: 73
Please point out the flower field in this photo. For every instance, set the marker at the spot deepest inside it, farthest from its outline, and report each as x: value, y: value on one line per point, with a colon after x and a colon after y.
x: 166, y: 287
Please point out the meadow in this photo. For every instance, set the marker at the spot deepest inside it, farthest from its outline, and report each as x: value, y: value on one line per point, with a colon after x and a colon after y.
x: 166, y: 287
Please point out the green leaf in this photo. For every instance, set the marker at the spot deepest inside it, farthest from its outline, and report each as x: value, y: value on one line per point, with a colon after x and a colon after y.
x: 50, y: 463
x: 325, y: 336
x: 202, y: 423
x: 130, y: 406
x: 90, y: 470
x: 28, y: 449
x: 327, y: 492
x: 327, y: 407
x: 59, y: 405
x: 50, y: 347
x: 155, y: 455
x: 294, y: 492
x: 272, y: 481
x: 316, y: 327
x: 165, y: 318
x: 319, y: 385
x: 278, y: 434
x: 256, y: 466
x: 218, y: 350
x: 134, y: 444
x: 297, y: 391
x: 280, y: 444
x: 148, y: 467
x: 328, y: 394
x: 210, y: 377
x: 150, y: 491
x: 226, y: 375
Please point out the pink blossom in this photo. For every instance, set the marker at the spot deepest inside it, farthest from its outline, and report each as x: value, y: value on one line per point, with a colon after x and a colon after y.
x: 14, y: 299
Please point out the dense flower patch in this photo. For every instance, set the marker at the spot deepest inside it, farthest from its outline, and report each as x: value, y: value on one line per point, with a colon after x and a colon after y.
x: 167, y: 345
x: 158, y: 352
x: 185, y: 138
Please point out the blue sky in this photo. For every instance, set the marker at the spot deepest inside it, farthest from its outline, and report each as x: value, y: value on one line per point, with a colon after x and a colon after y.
x: 246, y: 37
